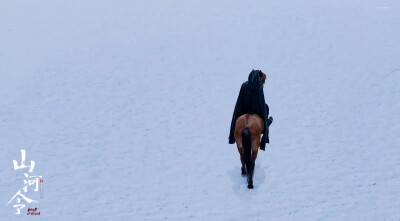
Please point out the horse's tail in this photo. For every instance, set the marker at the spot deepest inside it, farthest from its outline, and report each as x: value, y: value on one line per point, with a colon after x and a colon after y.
x: 248, y: 159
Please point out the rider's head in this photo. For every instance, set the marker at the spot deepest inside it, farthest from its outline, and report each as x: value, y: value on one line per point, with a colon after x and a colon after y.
x: 262, y: 77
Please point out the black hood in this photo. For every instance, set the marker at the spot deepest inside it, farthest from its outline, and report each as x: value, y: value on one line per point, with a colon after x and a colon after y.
x: 254, y: 80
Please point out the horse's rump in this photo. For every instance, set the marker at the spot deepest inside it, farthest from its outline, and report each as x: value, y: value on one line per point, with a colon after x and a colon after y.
x: 252, y: 121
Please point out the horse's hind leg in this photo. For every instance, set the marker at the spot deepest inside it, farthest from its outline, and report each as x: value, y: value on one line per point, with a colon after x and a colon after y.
x: 255, y: 143
x: 243, y: 165
x: 240, y: 150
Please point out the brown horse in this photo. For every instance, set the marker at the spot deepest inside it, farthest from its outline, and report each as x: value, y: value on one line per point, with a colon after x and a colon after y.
x: 248, y: 130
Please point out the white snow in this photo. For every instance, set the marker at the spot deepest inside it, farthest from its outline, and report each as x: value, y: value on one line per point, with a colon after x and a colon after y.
x: 125, y: 107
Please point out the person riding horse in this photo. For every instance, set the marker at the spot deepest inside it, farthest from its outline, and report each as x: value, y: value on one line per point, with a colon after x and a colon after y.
x: 251, y: 101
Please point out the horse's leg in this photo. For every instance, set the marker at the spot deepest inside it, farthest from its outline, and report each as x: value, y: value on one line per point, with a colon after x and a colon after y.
x: 255, y: 144
x: 240, y: 150
x: 243, y: 165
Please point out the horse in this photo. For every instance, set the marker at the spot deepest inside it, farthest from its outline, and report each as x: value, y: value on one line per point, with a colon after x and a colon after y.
x: 248, y: 130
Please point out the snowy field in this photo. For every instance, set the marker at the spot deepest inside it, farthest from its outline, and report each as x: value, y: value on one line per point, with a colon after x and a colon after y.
x: 125, y: 106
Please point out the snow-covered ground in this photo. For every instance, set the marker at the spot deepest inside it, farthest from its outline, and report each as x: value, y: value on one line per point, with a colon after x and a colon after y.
x: 125, y: 107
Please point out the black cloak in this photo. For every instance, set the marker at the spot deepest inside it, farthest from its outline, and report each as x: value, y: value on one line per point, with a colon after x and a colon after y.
x: 251, y: 101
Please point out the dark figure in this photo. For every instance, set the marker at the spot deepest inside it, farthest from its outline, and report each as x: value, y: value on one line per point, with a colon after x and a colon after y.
x: 251, y: 101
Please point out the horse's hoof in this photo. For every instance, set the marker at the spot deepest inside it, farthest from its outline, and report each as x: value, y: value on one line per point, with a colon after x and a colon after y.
x: 243, y: 171
x: 250, y: 186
